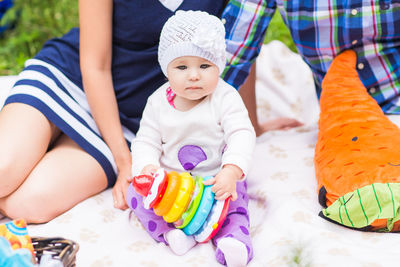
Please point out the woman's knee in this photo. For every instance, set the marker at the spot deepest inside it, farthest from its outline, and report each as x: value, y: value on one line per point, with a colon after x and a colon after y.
x: 9, y: 180
x: 25, y: 135
x: 33, y: 207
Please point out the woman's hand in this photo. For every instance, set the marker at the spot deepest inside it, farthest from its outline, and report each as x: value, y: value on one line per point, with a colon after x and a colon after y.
x: 224, y: 183
x: 121, y: 185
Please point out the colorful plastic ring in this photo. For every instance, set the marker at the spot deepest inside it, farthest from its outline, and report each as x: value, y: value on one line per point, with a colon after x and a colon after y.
x: 156, y: 190
x: 182, y: 199
x: 202, y: 212
x: 214, y: 221
x: 170, y: 194
x: 187, y: 216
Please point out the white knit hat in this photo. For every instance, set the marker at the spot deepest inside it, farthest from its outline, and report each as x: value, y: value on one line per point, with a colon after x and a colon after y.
x: 192, y: 33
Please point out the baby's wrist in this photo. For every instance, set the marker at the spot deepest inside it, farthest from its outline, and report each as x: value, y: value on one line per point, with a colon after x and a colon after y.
x: 237, y: 172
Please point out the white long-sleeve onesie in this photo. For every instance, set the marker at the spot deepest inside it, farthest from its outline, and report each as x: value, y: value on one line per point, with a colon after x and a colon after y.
x: 215, y: 132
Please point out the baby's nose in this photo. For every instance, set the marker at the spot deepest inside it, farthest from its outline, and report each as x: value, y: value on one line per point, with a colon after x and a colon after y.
x: 194, y: 75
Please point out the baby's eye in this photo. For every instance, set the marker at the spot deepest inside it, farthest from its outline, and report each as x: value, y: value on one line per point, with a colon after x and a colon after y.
x: 205, y: 66
x: 181, y: 67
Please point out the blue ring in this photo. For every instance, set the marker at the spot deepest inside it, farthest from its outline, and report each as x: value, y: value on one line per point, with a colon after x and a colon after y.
x: 206, y: 203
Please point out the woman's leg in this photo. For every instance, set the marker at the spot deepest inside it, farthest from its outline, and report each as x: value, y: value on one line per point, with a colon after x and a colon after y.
x: 65, y: 176
x: 25, y: 135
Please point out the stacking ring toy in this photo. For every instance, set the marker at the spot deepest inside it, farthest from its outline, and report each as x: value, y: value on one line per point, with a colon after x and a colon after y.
x: 170, y: 194
x: 214, y: 221
x: 187, y: 216
x: 202, y: 212
x: 153, y: 194
x: 182, y: 200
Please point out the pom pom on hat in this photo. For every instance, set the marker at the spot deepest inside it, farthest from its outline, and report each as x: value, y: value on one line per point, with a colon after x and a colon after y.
x: 192, y: 33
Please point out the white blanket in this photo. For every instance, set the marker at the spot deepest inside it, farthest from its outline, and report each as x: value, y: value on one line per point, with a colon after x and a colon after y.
x: 285, y: 226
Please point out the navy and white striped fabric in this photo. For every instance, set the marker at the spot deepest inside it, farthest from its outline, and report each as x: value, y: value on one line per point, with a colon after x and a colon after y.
x: 44, y: 87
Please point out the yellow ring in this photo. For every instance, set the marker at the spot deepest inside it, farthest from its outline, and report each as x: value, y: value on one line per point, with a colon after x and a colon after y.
x: 170, y: 194
x: 182, y: 200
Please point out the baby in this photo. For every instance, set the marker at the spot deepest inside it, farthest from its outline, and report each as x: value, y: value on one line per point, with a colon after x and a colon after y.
x: 197, y: 123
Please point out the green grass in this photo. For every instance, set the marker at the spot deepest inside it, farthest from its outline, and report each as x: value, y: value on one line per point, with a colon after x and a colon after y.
x: 299, y: 257
x: 40, y: 20
x: 277, y: 30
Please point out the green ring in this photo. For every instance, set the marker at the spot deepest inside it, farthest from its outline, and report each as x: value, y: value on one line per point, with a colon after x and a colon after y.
x: 187, y: 216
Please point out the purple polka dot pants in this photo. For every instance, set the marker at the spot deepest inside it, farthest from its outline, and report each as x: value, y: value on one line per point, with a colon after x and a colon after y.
x: 236, y: 224
x: 154, y: 225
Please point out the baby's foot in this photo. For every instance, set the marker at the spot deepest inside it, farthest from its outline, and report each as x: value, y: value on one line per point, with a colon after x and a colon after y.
x: 179, y: 242
x: 235, y: 252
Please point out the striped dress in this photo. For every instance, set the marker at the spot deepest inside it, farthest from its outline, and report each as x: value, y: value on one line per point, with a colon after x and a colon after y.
x: 52, y: 83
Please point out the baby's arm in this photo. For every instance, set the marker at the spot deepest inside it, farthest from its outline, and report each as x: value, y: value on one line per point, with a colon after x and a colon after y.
x: 146, y: 146
x: 240, y: 139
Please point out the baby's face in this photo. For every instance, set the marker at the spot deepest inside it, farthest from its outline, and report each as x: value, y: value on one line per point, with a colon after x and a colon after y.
x: 192, y: 77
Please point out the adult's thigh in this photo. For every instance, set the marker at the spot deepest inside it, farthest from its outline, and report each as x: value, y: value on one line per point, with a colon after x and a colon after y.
x: 25, y: 134
x: 65, y: 176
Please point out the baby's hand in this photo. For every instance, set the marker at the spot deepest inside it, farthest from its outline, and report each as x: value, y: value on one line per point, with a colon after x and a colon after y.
x: 224, y: 183
x: 149, y: 169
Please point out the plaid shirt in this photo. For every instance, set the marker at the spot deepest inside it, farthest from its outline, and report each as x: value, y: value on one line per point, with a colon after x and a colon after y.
x: 321, y: 30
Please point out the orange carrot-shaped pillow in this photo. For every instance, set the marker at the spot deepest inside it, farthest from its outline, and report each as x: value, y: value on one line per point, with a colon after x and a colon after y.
x: 357, y: 155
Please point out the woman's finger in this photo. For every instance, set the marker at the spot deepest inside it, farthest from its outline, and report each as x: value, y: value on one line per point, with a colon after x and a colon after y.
x: 120, y: 201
